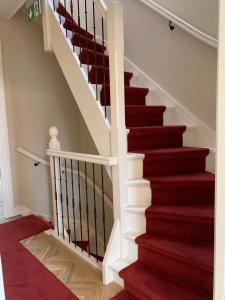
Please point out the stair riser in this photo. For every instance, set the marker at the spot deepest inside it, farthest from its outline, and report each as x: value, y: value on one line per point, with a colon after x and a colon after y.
x: 89, y: 58
x: 144, y: 142
x: 129, y: 99
x: 142, y: 120
x: 181, y: 195
x: 135, y: 222
x: 132, y: 249
x: 100, y: 77
x: 75, y: 28
x: 136, y: 293
x: 81, y: 41
x: 176, y: 268
x: 154, y: 166
x: 134, y: 169
x: 139, y: 195
x: 184, y: 231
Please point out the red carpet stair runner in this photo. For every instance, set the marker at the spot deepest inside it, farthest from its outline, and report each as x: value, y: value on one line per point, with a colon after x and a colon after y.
x: 175, y: 255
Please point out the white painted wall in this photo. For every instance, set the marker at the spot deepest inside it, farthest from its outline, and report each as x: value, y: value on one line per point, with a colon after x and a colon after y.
x: 182, y: 65
x: 9, y: 8
x: 37, y: 97
x: 202, y: 14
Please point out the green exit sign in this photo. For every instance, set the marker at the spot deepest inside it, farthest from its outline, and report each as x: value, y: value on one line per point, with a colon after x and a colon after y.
x: 34, y: 10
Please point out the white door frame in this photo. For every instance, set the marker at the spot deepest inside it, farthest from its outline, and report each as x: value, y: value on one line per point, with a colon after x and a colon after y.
x: 5, y: 163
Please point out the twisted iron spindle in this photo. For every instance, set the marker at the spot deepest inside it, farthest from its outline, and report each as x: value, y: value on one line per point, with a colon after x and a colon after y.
x: 95, y: 213
x: 103, y: 208
x: 73, y: 203
x: 56, y: 198
x: 95, y: 54
x: 87, y: 207
x: 78, y: 11
x: 61, y: 197
x: 71, y: 11
x: 60, y: 18
x: 54, y: 5
x: 65, y: 16
x: 104, y: 67
x: 67, y: 201
x: 80, y: 206
x: 87, y: 39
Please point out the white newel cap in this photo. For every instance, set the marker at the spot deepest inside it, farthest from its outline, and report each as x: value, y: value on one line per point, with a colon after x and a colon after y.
x: 54, y: 143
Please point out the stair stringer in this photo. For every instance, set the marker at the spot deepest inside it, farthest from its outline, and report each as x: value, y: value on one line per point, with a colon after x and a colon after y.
x: 84, y: 94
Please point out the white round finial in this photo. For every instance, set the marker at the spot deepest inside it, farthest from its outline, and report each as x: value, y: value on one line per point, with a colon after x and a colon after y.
x: 54, y: 143
x: 53, y: 132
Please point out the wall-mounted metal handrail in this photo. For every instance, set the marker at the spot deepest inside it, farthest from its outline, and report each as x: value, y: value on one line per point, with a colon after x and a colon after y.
x: 197, y: 33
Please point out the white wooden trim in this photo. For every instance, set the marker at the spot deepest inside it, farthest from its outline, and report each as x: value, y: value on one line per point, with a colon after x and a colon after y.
x: 46, y: 163
x: 5, y: 163
x: 219, y: 262
x: 2, y: 289
x: 197, y: 33
x: 96, y: 159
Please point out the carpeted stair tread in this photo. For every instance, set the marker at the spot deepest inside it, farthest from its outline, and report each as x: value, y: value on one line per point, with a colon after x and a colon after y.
x: 140, y: 115
x: 94, y: 58
x: 79, y: 40
x: 153, y: 137
x: 175, y: 152
x: 178, y: 160
x: 124, y: 295
x: 200, y: 215
x: 196, y: 255
x: 195, y: 179
x: 145, y: 284
x: 133, y: 95
x: 71, y: 25
x: 157, y: 130
x: 194, y: 224
x: 63, y: 12
x: 100, y: 75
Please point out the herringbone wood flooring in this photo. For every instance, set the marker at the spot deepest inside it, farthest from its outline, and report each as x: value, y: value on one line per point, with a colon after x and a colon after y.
x: 81, y: 278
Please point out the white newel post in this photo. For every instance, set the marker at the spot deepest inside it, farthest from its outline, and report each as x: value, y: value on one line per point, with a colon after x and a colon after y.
x: 54, y: 144
x: 219, y: 262
x: 115, y: 28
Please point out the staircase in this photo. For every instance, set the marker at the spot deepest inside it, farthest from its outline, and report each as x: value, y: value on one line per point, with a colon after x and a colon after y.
x: 167, y: 221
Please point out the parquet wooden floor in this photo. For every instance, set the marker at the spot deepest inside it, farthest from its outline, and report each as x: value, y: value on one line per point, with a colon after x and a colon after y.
x: 81, y: 278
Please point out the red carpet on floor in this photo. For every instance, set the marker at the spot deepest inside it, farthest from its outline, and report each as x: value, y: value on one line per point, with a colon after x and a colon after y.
x: 175, y: 255
x: 25, y: 278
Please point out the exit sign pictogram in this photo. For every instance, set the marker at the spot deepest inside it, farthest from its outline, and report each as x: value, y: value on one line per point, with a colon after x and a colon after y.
x: 34, y: 10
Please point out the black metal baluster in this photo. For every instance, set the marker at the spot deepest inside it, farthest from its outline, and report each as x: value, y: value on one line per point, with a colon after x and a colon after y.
x: 86, y: 27
x: 73, y: 203
x: 54, y: 5
x: 95, y: 54
x: 56, y: 198
x: 61, y: 196
x: 95, y: 213
x: 67, y: 201
x: 104, y: 68
x: 60, y: 18
x: 80, y: 206
x: 71, y: 10
x: 87, y: 207
x: 78, y: 11
x: 103, y: 208
x: 65, y: 15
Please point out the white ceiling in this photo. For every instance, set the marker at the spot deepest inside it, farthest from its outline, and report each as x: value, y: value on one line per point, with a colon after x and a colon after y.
x: 9, y: 7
